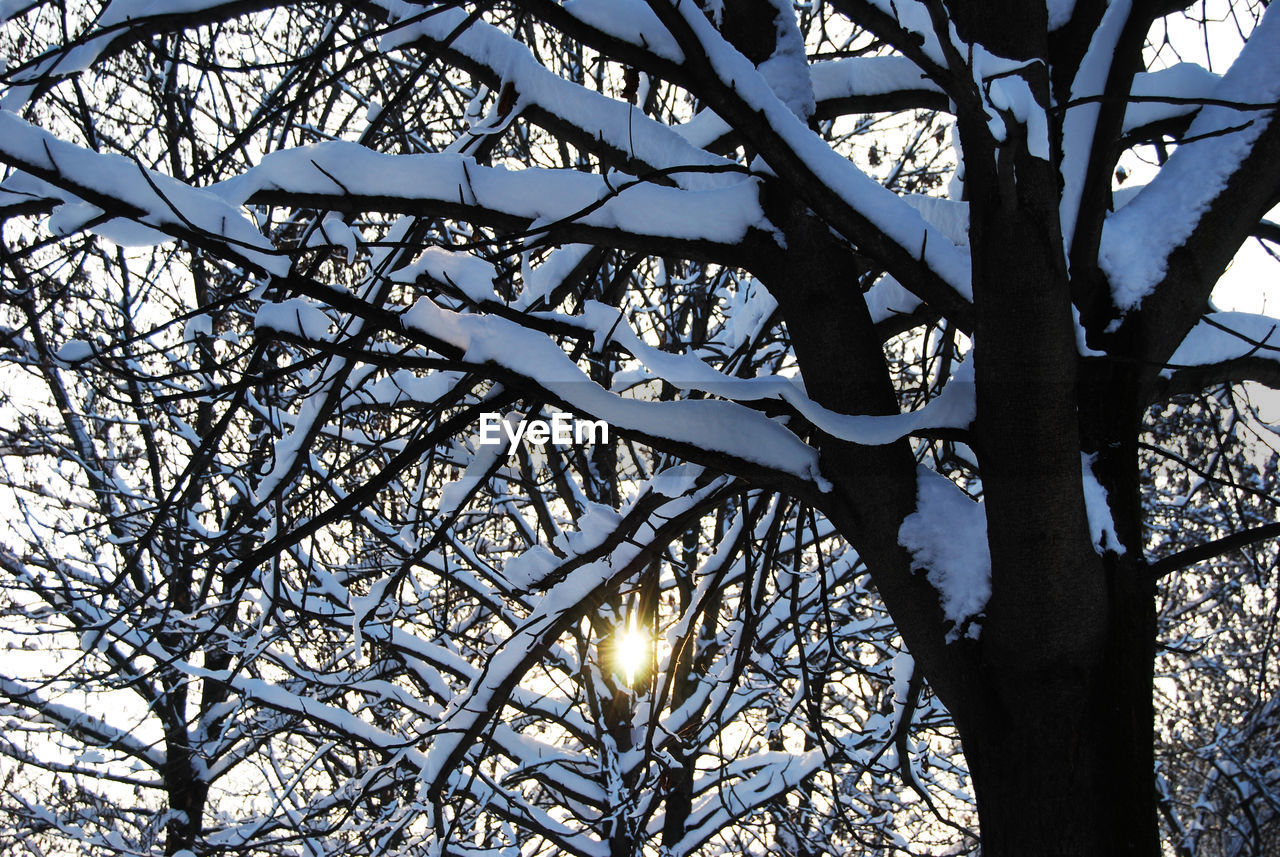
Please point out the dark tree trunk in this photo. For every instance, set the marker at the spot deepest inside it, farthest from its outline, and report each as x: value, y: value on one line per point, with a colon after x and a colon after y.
x: 187, y: 795
x: 1066, y: 767
x: 1059, y: 731
x: 1053, y: 702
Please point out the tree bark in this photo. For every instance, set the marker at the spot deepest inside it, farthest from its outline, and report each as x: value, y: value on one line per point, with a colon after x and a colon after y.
x: 1067, y: 768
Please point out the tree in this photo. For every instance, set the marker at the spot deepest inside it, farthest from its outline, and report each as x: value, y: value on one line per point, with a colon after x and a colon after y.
x: 878, y: 338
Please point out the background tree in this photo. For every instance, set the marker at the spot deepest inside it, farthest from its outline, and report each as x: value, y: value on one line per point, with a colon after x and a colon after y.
x: 894, y: 522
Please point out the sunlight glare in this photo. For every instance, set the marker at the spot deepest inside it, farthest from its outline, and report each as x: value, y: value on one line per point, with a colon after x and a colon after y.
x: 631, y: 650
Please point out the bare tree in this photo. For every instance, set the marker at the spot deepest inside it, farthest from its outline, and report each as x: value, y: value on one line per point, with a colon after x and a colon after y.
x: 864, y: 359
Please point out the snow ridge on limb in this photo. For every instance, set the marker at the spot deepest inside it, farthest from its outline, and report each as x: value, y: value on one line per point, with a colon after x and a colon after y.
x: 858, y: 207
x: 118, y: 189
x: 1060, y: 12
x: 947, y: 538
x: 98, y: 730
x: 597, y: 121
x: 723, y: 427
x: 1102, y: 527
x: 954, y: 408
x: 470, y: 274
x: 764, y: 776
x: 1223, y: 347
x: 1224, y: 336
x: 120, y: 23
x: 347, y: 176
x: 850, y: 85
x: 1137, y: 240
x: 866, y: 77
x: 629, y: 21
x: 1079, y: 124
x: 1168, y: 93
x: 786, y: 70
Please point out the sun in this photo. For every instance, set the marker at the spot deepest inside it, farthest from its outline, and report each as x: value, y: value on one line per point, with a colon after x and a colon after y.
x: 631, y: 650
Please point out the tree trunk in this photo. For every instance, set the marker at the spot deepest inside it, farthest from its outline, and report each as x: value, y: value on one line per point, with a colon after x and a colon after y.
x: 1064, y: 766
x: 1058, y: 731
x: 187, y: 795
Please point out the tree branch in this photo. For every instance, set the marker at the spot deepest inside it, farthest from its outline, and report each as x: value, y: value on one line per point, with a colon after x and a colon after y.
x: 1210, y: 550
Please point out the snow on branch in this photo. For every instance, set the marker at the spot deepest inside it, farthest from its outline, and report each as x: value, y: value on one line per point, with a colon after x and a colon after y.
x: 954, y: 408
x: 1137, y: 240
x: 947, y: 538
x: 93, y: 730
x: 348, y: 177
x: 121, y: 23
x: 723, y: 427
x: 1221, y: 337
x: 769, y: 776
x: 562, y: 605
x: 1223, y: 347
x: 867, y: 78
x: 869, y: 215
x: 127, y: 202
x: 592, y: 119
x: 841, y: 87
